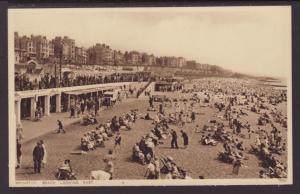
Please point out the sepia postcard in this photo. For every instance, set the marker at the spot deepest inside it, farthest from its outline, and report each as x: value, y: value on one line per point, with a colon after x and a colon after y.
x: 156, y: 96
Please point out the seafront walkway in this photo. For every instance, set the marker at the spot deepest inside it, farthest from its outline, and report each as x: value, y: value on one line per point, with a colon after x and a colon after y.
x: 48, y: 124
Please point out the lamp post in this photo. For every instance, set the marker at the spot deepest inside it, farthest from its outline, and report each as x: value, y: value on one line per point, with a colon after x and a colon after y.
x: 61, y: 51
x: 60, y: 68
x: 55, y: 73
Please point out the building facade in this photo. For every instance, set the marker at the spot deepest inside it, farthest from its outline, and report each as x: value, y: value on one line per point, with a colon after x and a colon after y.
x: 181, y: 62
x: 148, y: 60
x: 68, y: 51
x: 33, y: 48
x: 36, y: 48
x: 17, y: 48
x: 100, y: 54
x: 118, y: 57
x: 51, y: 58
x: 191, y: 64
x: 27, y: 49
x: 80, y: 55
x: 134, y: 58
x: 42, y: 48
x: 171, y: 62
x: 64, y: 49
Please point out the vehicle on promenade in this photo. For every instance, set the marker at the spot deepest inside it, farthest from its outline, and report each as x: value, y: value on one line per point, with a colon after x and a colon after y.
x: 111, y: 97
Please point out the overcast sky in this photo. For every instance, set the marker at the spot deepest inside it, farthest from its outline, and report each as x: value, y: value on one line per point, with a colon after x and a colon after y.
x: 244, y: 39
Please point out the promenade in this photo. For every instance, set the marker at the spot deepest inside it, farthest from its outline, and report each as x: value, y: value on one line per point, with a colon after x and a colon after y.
x: 48, y: 124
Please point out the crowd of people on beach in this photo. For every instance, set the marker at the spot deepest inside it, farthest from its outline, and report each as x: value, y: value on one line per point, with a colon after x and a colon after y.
x: 143, y: 153
x: 96, y: 137
x: 233, y: 101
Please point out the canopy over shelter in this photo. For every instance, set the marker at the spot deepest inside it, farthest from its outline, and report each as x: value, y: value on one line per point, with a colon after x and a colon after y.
x: 85, y: 91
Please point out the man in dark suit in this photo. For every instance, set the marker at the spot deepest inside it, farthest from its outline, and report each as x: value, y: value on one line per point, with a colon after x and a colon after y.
x: 38, y: 155
x: 174, y: 139
x: 185, y: 138
x: 161, y: 110
x: 151, y: 102
x: 193, y: 116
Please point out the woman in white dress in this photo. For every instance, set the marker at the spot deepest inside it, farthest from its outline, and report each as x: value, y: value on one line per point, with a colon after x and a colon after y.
x: 45, y: 154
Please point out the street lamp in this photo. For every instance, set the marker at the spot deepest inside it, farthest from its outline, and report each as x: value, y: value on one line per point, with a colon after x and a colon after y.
x: 60, y: 68
x: 55, y: 72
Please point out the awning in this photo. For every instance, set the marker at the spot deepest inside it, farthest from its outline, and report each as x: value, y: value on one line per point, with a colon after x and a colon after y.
x: 85, y: 91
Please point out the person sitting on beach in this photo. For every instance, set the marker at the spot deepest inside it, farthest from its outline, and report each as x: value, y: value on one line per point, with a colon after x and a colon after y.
x: 208, y: 140
x: 137, y: 154
x: 240, y: 146
x: 66, y: 165
x: 99, y: 140
x: 37, y: 115
x: 197, y: 129
x: 147, y: 117
x: 65, y: 171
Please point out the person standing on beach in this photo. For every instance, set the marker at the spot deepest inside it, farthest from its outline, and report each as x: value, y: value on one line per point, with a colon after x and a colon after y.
x: 38, y: 155
x: 236, y: 167
x: 45, y: 154
x: 97, y: 106
x: 60, y: 127
x: 109, y: 168
x: 193, y: 116
x: 161, y: 110
x: 19, y: 154
x: 185, y: 138
x: 174, y: 139
x: 118, y: 140
x: 72, y: 114
x: 82, y: 106
x: 151, y: 102
x: 20, y: 135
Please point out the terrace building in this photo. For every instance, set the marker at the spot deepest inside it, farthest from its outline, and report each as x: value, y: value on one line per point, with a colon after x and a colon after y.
x: 134, y: 58
x: 33, y: 47
x: 119, y: 58
x: 64, y: 48
x: 30, y: 47
x: 51, y: 51
x: 171, y: 62
x: 148, y: 60
x: 191, y: 64
x: 100, y: 54
x: 160, y: 61
x: 181, y: 62
x: 80, y: 55
x: 17, y: 48
x: 42, y: 48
